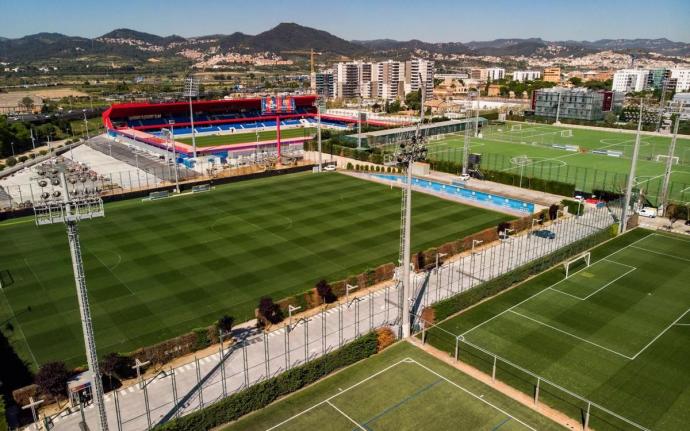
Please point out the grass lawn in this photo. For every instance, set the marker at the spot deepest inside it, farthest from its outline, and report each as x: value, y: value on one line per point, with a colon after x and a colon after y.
x: 158, y: 269
x: 248, y: 138
x: 402, y: 388
x: 616, y: 332
x: 500, y: 147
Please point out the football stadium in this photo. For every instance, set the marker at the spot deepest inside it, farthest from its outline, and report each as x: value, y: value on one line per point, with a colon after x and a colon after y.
x: 374, y: 295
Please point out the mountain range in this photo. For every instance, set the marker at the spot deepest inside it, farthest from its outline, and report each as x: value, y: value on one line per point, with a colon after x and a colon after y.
x: 285, y: 37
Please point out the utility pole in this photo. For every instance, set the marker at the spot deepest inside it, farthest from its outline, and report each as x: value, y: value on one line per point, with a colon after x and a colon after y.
x: 631, y: 176
x: 65, y: 200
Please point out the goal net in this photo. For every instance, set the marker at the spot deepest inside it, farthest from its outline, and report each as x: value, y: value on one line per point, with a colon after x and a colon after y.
x: 576, y: 263
x: 438, y: 137
x: 663, y: 158
x: 566, y: 133
x: 515, y: 127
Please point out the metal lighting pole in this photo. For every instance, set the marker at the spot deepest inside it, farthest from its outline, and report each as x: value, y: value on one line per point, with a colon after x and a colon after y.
x: 12, y: 144
x: 318, y: 132
x: 191, y: 88
x: 408, y: 153
x: 558, y: 109
x: 171, y: 131
x: 631, y: 177
x: 86, y: 124
x: 669, y: 166
x: 63, y: 201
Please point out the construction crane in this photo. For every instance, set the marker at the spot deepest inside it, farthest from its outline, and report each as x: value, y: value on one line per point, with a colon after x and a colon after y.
x: 312, y: 75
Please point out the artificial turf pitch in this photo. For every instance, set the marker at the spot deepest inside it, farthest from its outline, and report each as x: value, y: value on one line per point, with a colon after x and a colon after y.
x: 249, y: 137
x: 158, y: 269
x: 531, y: 151
x: 402, y: 388
x: 616, y: 332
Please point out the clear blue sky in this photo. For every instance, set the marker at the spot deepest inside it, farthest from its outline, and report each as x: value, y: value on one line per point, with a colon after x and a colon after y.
x: 442, y: 20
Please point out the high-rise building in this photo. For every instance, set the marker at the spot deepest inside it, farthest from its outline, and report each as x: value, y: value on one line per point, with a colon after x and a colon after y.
x: 346, y: 80
x: 682, y: 79
x: 552, y: 74
x: 630, y: 80
x: 390, y: 79
x: 495, y: 73
x: 418, y: 71
x: 324, y: 84
x: 526, y: 75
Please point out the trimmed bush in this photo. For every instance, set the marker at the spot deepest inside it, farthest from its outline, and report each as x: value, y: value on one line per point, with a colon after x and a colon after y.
x: 573, y: 206
x: 264, y: 393
x: 349, y: 166
x: 11, y: 161
x: 202, y: 339
x: 22, y: 159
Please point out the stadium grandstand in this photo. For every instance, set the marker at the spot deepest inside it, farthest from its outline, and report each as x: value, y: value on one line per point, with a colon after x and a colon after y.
x: 222, y: 128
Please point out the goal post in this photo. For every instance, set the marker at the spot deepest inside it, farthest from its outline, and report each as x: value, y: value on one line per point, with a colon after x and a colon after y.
x: 663, y: 158
x: 566, y: 133
x: 584, y: 257
x: 515, y: 127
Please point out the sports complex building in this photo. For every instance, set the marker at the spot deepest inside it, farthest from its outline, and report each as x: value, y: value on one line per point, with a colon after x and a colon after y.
x: 222, y: 128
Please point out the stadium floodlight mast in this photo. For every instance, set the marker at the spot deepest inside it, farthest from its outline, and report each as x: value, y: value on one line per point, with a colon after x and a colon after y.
x: 318, y: 132
x: 410, y: 151
x: 466, y: 144
x: 191, y: 89
x: 631, y: 176
x: 67, y: 198
x: 558, y: 109
x: 669, y: 161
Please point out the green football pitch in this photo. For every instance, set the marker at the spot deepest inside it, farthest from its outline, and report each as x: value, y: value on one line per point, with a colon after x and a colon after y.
x: 248, y: 138
x: 616, y: 332
x: 531, y: 151
x: 157, y: 269
x: 402, y: 388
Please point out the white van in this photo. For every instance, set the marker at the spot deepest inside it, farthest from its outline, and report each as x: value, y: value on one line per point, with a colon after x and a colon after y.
x: 647, y: 212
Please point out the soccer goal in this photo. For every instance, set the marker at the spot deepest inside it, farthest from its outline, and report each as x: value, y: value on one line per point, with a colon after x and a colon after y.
x: 516, y: 127
x: 583, y: 258
x: 566, y: 133
x: 663, y: 158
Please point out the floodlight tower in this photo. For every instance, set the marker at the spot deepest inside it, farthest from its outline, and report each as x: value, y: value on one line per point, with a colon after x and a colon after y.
x: 466, y: 144
x: 631, y: 176
x: 409, y: 152
x: 68, y: 199
x: 669, y: 161
x: 191, y: 89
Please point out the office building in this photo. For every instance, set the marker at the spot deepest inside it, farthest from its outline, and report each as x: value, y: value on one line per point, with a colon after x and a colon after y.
x: 552, y: 74
x: 575, y: 103
x: 526, y: 75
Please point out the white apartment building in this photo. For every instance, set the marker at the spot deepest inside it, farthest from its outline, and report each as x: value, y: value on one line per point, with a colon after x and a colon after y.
x: 526, y: 75
x: 346, y: 81
x: 682, y: 79
x: 495, y: 73
x: 630, y: 80
x: 390, y: 79
x: 414, y: 70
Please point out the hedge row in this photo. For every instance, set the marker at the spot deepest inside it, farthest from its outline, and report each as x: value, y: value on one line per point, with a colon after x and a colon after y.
x: 573, y: 206
x: 459, y: 302
x: 262, y: 394
x: 510, y: 178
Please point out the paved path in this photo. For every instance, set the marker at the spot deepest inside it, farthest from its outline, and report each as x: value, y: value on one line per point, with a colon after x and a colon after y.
x: 200, y: 383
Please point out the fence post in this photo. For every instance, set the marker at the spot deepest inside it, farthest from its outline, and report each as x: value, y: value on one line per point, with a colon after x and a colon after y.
x: 173, y: 381
x: 246, y: 366
x: 222, y: 371
x: 266, y: 357
x: 305, y: 322
x: 493, y: 371
x: 586, y: 424
x: 456, y: 347
x: 536, y: 392
x: 340, y: 326
x: 356, y: 318
x: 198, y: 383
x: 323, y: 331
x: 118, y: 418
x: 287, y: 348
x: 371, y: 310
x: 387, y: 305
x: 146, y: 404
x: 423, y: 331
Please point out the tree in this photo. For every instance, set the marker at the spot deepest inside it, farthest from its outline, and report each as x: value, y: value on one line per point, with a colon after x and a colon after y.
x: 413, y: 100
x: 269, y: 310
x: 501, y: 228
x: 575, y: 81
x: 610, y: 118
x: 11, y: 161
x: 118, y: 366
x: 52, y: 379
x: 27, y: 102
x: 553, y: 211
x: 225, y: 323
x: 325, y: 292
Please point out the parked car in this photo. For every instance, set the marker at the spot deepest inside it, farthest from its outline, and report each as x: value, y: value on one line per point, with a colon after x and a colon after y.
x: 464, y: 177
x: 544, y: 233
x: 329, y: 168
x: 647, y: 212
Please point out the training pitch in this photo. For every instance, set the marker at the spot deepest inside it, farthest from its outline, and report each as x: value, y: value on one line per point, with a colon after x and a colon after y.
x: 616, y: 332
x: 402, y: 388
x: 248, y: 138
x: 158, y: 269
x: 541, y: 151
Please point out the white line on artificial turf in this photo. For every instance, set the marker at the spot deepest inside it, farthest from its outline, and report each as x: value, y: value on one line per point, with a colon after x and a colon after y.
x: 661, y: 333
x: 632, y: 268
x: 660, y: 253
x: 348, y: 417
x: 467, y: 391
x: 572, y: 335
